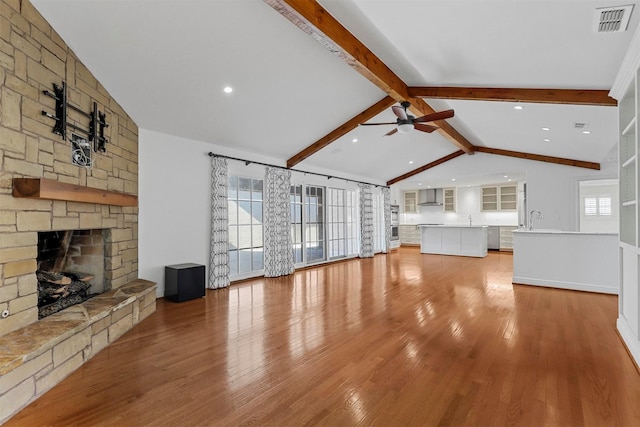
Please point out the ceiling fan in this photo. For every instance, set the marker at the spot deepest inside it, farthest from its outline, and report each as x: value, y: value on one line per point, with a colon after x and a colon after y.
x: 406, y: 122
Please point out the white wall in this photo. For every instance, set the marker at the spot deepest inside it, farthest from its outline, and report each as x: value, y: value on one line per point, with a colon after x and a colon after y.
x: 174, y: 216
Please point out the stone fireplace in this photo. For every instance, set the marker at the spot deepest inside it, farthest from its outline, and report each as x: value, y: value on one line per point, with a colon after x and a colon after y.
x: 36, y: 354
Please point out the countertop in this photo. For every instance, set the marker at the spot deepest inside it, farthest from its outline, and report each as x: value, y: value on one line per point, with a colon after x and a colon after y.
x: 543, y: 231
x: 450, y: 226
x: 457, y: 225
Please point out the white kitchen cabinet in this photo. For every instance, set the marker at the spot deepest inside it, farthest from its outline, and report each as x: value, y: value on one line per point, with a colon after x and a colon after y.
x: 506, y: 238
x: 626, y: 89
x: 409, y: 235
x: 410, y: 201
x: 449, y: 204
x: 499, y: 198
x: 508, y: 197
x: 454, y: 240
x: 489, y: 199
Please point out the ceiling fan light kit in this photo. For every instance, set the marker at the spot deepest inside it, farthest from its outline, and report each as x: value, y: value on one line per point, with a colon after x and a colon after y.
x: 405, y: 127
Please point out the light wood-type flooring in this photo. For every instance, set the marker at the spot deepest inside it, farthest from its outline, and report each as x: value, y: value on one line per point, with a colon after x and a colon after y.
x: 400, y: 339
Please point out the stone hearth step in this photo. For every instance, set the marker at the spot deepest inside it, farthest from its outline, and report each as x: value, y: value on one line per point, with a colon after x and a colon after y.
x: 37, y: 357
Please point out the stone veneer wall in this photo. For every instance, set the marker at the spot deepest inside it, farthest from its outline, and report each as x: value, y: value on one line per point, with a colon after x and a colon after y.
x: 32, y: 58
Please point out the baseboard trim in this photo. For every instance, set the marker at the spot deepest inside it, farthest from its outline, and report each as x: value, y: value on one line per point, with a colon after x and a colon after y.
x: 518, y: 280
x: 629, y: 340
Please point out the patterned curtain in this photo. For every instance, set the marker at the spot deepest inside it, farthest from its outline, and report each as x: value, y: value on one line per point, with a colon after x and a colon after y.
x: 366, y: 221
x: 386, y: 194
x: 278, y: 248
x: 219, y: 258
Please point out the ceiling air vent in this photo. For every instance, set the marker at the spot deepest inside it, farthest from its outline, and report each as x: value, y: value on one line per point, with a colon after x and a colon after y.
x: 578, y: 125
x: 613, y: 19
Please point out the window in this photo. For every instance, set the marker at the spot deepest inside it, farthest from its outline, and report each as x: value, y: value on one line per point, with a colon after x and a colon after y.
x: 296, y: 222
x: 591, y: 206
x: 604, y: 206
x: 245, y: 225
x: 342, y: 222
x: 336, y: 223
x: 320, y: 215
x: 597, y: 206
x: 314, y: 229
x: 351, y: 220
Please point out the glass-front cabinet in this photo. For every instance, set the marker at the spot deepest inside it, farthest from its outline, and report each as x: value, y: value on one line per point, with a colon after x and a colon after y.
x: 499, y: 198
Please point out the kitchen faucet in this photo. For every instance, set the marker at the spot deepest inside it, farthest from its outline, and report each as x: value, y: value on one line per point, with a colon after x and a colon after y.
x: 531, y: 217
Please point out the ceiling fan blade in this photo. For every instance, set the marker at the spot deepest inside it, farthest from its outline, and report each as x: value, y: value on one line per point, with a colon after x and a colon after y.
x: 400, y: 112
x: 377, y: 124
x: 447, y: 114
x: 391, y: 132
x: 424, y: 128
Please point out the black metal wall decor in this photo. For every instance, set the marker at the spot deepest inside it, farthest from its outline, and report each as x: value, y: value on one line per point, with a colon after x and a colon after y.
x: 97, y: 120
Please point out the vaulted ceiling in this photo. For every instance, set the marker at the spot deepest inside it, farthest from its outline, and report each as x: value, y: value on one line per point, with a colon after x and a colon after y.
x: 305, y: 73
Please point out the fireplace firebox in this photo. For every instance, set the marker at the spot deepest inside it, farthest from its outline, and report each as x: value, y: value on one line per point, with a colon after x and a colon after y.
x: 71, y: 268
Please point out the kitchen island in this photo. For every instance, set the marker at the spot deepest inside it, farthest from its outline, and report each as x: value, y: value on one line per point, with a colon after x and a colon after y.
x: 580, y: 261
x: 462, y: 240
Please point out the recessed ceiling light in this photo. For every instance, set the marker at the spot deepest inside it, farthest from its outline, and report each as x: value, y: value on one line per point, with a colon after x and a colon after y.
x: 545, y: 128
x: 227, y: 89
x: 509, y: 180
x: 506, y: 176
x: 419, y: 183
x: 518, y: 107
x: 453, y: 179
x: 354, y: 140
x: 586, y: 132
x: 547, y: 140
x: 428, y: 186
x: 410, y: 162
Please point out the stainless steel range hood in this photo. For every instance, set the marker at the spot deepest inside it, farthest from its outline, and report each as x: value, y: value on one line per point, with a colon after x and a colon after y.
x: 430, y: 197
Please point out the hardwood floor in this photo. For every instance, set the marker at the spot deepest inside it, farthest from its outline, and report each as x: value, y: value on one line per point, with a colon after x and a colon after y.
x: 400, y: 339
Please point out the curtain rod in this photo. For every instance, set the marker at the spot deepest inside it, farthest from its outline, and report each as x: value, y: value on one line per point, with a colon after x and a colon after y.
x: 248, y: 162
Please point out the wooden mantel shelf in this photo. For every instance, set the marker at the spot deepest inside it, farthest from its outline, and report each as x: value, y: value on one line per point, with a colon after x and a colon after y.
x: 40, y: 188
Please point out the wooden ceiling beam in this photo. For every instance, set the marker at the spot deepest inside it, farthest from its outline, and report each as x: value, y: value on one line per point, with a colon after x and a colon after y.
x: 341, y: 130
x: 540, y: 158
x: 544, y: 96
x: 313, y: 19
x: 500, y: 152
x: 425, y: 167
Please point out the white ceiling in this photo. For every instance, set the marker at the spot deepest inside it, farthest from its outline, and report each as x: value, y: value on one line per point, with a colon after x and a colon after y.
x: 166, y: 63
